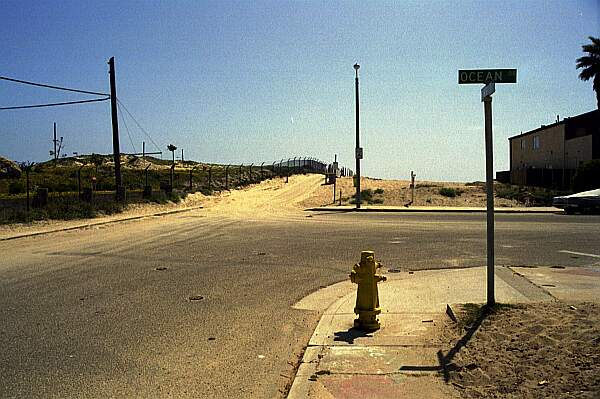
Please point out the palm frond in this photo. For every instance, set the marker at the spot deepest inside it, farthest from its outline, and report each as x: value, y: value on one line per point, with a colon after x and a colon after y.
x: 588, y: 60
x: 587, y: 74
x: 592, y: 49
x: 595, y: 40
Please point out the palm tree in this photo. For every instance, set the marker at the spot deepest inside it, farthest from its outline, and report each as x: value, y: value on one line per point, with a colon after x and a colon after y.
x: 590, y: 65
x: 172, y: 148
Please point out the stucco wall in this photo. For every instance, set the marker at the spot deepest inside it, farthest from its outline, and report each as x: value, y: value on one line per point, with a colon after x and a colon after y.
x: 578, y: 150
x: 548, y: 155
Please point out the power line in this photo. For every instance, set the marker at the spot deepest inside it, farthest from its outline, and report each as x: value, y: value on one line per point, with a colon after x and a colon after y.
x: 138, y: 125
x: 54, y: 104
x: 52, y: 87
x: 126, y: 128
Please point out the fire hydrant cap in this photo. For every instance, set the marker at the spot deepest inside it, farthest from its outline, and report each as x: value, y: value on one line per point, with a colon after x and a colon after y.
x: 364, y: 255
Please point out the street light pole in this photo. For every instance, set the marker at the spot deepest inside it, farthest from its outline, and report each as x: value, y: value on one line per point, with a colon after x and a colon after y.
x: 357, y: 154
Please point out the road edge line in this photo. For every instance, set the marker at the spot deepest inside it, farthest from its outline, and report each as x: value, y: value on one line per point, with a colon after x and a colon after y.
x: 83, y: 226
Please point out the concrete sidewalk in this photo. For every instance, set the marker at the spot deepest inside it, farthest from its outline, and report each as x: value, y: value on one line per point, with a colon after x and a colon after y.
x: 406, y: 357
x: 349, y: 208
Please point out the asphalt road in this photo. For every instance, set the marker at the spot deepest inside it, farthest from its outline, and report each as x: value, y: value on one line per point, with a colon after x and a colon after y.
x: 86, y: 313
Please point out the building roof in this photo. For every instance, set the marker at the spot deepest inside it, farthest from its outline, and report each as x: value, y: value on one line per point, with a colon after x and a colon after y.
x: 591, y: 114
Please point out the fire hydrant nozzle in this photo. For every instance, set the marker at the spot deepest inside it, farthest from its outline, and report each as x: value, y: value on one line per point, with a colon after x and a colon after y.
x: 367, y: 297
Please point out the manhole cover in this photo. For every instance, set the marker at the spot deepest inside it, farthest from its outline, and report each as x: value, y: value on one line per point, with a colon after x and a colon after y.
x: 196, y: 298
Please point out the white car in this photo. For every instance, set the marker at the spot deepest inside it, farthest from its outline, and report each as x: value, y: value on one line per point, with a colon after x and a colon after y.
x: 579, y: 202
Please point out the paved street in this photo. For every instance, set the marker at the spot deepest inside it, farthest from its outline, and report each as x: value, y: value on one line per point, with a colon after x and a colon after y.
x: 106, y: 311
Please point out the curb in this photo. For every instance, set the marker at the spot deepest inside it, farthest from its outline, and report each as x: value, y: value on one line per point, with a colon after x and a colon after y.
x: 83, y: 226
x: 308, y: 365
x: 438, y: 210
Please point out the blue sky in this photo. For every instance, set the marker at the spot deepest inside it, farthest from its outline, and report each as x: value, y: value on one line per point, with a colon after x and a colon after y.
x: 253, y: 81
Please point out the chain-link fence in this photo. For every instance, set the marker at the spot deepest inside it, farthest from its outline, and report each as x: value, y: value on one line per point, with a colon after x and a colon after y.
x: 71, y: 191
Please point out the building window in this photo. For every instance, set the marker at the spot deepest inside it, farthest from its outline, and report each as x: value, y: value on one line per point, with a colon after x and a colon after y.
x: 536, y: 142
x: 522, y: 144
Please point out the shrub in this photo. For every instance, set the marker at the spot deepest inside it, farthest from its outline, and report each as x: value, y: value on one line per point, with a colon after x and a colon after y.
x: 174, y: 196
x: 16, y: 187
x: 366, y: 195
x: 587, y: 176
x: 378, y: 191
x: 450, y: 192
x: 378, y: 201
x: 508, y: 192
x: 206, y: 191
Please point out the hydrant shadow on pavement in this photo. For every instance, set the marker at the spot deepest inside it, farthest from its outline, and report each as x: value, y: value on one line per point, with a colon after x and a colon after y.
x: 350, y: 335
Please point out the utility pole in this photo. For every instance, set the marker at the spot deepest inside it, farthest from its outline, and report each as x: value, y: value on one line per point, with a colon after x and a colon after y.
x: 358, y: 154
x: 120, y: 190
x: 55, y: 156
x: 144, y: 150
x: 182, y: 157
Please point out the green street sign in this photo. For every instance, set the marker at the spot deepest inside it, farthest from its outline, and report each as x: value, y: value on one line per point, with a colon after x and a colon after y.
x: 483, y: 76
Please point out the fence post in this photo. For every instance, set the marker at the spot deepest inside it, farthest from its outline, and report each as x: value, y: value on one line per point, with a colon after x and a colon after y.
x: 79, y: 181
x: 171, y: 175
x: 27, y: 175
x: 227, y: 177
x: 146, y: 175
x: 209, y: 177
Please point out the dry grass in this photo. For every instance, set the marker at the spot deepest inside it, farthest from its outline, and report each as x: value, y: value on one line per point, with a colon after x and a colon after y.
x: 398, y: 193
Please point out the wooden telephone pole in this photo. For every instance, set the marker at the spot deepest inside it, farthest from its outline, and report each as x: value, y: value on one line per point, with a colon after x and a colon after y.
x: 120, y: 190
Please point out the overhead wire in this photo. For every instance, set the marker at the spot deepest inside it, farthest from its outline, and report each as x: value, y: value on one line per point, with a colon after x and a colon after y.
x: 54, y: 104
x: 52, y: 87
x: 138, y: 125
x: 106, y: 97
x: 126, y: 129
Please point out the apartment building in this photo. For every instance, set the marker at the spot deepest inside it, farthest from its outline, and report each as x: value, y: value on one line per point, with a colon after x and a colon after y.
x: 548, y: 156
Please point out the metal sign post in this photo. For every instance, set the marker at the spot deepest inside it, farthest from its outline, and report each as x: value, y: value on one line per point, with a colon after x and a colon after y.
x: 489, y: 186
x: 490, y: 77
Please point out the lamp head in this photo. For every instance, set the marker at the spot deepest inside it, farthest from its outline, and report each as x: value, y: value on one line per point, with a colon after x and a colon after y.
x: 356, y: 66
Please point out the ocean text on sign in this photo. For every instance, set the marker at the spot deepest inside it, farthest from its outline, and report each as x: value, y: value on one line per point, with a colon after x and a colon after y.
x: 483, y: 76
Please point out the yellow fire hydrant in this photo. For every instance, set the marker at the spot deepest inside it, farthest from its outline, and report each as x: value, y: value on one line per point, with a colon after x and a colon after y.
x: 367, y: 297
